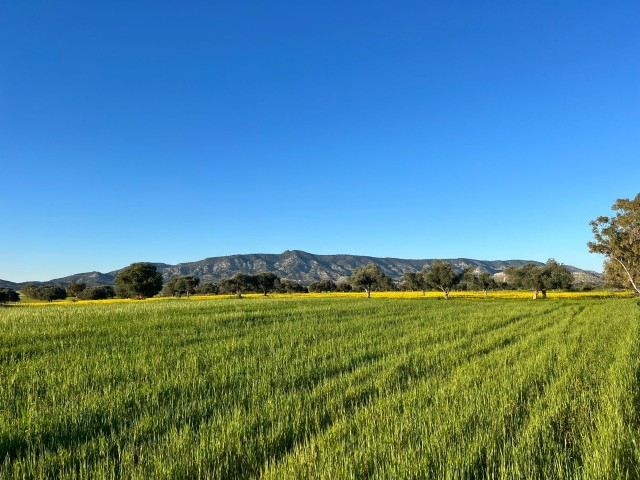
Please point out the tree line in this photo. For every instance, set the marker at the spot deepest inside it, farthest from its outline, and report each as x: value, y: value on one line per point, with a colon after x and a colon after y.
x: 617, y: 238
x: 142, y: 280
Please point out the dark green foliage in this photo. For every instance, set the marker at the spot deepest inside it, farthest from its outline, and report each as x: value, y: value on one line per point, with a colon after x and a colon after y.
x: 323, y: 286
x: 540, y: 278
x: 415, y: 281
x: 290, y: 286
x: 8, y: 295
x: 97, y: 293
x: 73, y: 289
x: 266, y: 282
x: 238, y: 284
x: 369, y: 277
x: 618, y: 239
x: 442, y: 276
x: 179, y: 286
x: 207, y: 288
x: 139, y: 280
x: 28, y: 290
x: 479, y: 281
x: 47, y: 293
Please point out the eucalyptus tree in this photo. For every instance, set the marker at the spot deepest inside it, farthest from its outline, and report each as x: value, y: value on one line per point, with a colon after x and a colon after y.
x: 618, y: 239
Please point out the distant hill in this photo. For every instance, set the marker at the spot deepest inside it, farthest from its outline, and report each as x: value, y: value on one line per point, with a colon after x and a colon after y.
x: 11, y: 285
x: 300, y: 266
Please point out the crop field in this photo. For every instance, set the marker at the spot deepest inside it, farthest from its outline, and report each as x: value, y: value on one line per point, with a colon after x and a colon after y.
x: 321, y: 388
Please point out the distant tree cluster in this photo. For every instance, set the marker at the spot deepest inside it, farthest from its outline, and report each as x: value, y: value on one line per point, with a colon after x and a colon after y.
x: 541, y: 278
x: 45, y: 293
x: 76, y: 288
x: 441, y: 275
x: 238, y: 284
x: 102, y: 292
x: 263, y: 282
x: 327, y: 285
x: 179, y: 286
x: 8, y: 295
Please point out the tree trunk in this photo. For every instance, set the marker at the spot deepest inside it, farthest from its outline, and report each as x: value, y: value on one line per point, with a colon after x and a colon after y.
x: 368, y: 292
x: 239, y: 293
x: 544, y: 293
x: 485, y: 293
x: 424, y: 292
x: 535, y: 294
x: 446, y: 293
x: 626, y: 270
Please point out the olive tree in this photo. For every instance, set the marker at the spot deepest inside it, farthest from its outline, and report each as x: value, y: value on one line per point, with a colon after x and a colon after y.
x: 368, y: 277
x: 240, y: 283
x: 266, y: 282
x: 540, y: 278
x: 178, y: 286
x: 480, y: 281
x: 618, y: 239
x: 416, y: 281
x: 441, y: 275
x: 325, y: 285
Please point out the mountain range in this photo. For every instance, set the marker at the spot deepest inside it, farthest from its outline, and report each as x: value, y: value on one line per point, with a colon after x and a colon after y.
x: 300, y: 266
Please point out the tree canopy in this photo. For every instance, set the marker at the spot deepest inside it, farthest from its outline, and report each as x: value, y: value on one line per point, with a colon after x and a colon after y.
x: 266, y: 282
x: 73, y: 289
x: 178, y: 286
x: 325, y: 285
x: 46, y: 293
x: 480, y: 281
x: 540, y: 278
x: 368, y: 277
x: 618, y: 239
x: 139, y: 280
x: 8, y: 295
x: 441, y: 275
x: 240, y: 283
x: 416, y: 281
x: 101, y: 292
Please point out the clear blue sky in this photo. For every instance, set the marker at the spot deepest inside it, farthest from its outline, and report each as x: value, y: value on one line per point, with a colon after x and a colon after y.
x: 174, y: 131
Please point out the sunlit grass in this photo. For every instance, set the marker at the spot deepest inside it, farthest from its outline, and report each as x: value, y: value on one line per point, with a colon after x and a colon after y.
x: 321, y: 387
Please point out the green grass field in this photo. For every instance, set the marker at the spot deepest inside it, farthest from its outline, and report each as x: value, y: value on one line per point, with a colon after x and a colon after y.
x: 321, y: 388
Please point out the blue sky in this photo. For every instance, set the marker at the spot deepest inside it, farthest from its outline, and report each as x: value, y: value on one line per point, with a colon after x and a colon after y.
x: 174, y: 131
